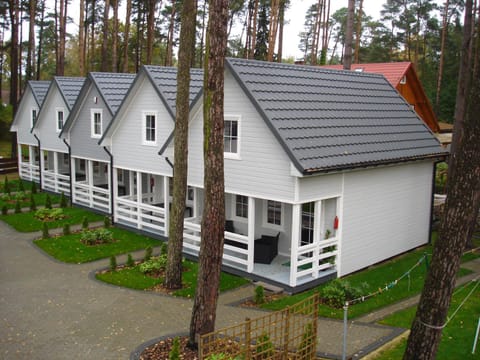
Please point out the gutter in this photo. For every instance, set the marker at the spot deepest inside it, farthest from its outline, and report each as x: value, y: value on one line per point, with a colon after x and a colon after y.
x: 112, y: 202
x: 39, y: 160
x: 69, y: 168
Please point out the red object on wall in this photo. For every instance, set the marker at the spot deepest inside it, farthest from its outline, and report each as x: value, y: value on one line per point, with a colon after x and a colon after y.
x: 335, y: 223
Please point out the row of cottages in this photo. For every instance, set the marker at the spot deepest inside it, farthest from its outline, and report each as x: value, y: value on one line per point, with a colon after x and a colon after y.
x: 326, y: 172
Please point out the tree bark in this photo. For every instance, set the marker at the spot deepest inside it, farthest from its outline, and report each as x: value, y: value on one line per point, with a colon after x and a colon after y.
x: 14, y: 63
x: 442, y: 56
x: 281, y: 23
x: 359, y: 32
x: 461, y: 209
x: 213, y: 221
x: 115, y: 5
x: 81, y: 39
x: 40, y: 40
x: 347, y: 57
x: 62, y: 32
x: 29, y: 71
x: 106, y: 30
x: 126, y: 35
x: 272, y: 33
x: 171, y: 29
x: 150, y: 29
x: 173, y: 271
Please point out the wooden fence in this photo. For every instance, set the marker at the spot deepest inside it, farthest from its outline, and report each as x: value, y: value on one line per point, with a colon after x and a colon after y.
x: 8, y: 166
x: 289, y: 334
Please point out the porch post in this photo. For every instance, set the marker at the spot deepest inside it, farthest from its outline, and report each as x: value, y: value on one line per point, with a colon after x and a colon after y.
x: 139, y: 200
x: 109, y: 182
x: 55, y: 169
x: 73, y: 179
x: 41, y: 168
x: 90, y: 182
x: 338, y: 234
x: 31, y: 161
x: 296, y: 212
x: 195, y: 202
x: 19, y: 159
x: 166, y: 203
x: 115, y: 194
x: 316, y: 237
x: 131, y: 185
x: 251, y: 234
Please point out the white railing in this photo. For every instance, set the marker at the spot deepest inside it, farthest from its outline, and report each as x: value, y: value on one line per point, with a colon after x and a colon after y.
x: 48, y: 180
x: 312, y: 259
x: 56, y: 182
x: 91, y: 196
x: 63, y: 184
x: 142, y: 216
x: 29, y: 172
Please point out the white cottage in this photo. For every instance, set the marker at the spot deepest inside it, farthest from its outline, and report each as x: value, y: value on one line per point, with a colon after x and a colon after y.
x: 326, y: 172
x: 97, y: 103
x: 54, y: 152
x: 25, y: 118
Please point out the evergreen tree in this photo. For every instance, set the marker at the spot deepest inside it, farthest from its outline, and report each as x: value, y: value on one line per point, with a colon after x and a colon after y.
x: 261, y: 44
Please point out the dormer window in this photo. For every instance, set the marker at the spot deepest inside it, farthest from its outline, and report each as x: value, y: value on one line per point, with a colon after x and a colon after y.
x: 60, y: 120
x: 96, y: 123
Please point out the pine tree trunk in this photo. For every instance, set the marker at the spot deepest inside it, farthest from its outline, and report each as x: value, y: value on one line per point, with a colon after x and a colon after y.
x: 81, y: 39
x: 115, y: 37
x: 442, y: 57
x: 213, y: 221
x: 40, y: 40
x: 14, y: 63
x: 150, y: 29
x: 171, y: 29
x: 62, y: 29
x: 106, y: 30
x: 359, y: 32
x: 272, y: 33
x: 461, y: 209
x: 280, y: 30
x: 31, y: 40
x: 347, y: 58
x: 173, y: 272
x: 126, y: 35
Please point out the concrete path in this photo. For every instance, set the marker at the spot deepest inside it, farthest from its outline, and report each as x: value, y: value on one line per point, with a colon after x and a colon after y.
x: 51, y: 310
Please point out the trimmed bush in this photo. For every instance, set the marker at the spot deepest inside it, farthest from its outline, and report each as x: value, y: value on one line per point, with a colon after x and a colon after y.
x: 96, y: 237
x: 48, y: 202
x: 49, y: 214
x: 33, y: 205
x: 4, y: 210
x: 85, y: 223
x: 338, y: 292
x: 63, y: 201
x: 259, y: 297
x: 148, y: 253
x: 45, y: 234
x: 34, y: 188
x: 154, y: 264
x: 106, y: 222
x: 66, y: 229
x: 113, y: 263
x: 130, y: 261
x: 174, y: 353
x: 18, y: 207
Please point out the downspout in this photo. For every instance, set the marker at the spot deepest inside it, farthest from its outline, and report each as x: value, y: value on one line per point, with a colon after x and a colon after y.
x: 69, y: 168
x: 112, y: 202
x: 39, y: 160
x: 169, y: 162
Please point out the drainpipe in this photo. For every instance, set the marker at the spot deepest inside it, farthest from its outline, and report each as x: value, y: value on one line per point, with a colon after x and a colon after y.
x: 39, y: 160
x: 112, y: 202
x: 169, y: 162
x: 69, y: 168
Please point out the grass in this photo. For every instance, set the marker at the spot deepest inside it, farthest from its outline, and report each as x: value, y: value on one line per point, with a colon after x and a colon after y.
x: 133, y: 278
x: 26, y: 222
x: 69, y: 249
x: 458, y: 335
x: 14, y: 184
x: 5, y: 148
x: 40, y: 199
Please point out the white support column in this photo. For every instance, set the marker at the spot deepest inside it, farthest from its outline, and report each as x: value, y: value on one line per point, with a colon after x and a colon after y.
x: 41, y: 168
x: 73, y: 179
x: 317, y: 232
x: 115, y: 193
x: 31, y: 161
x: 166, y: 204
x: 196, y: 209
x: 296, y: 213
x: 131, y: 185
x: 20, y: 161
x: 139, y: 200
x: 55, y: 169
x: 251, y: 233
x: 90, y: 181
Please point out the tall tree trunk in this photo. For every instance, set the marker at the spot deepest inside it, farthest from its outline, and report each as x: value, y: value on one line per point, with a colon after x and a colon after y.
x: 272, y: 33
x: 325, y: 33
x: 442, y: 56
x: 461, y: 209
x: 106, y: 31
x: 92, y: 39
x: 150, y: 29
x: 173, y: 271
x: 126, y: 35
x: 81, y: 39
x: 213, y: 221
x: 253, y: 37
x: 202, y: 37
x: 359, y: 32
x: 347, y: 58
x: 40, y: 40
x: 29, y: 71
x: 14, y: 62
x: 115, y: 4
x: 171, y: 30
x: 316, y: 33
x: 62, y: 33
x: 281, y: 23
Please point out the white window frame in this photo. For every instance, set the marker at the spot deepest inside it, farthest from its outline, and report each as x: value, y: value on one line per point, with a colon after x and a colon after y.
x: 32, y: 121
x: 234, y: 209
x: 144, y: 128
x: 57, y: 111
x: 92, y: 123
x: 238, y: 119
x: 265, y: 215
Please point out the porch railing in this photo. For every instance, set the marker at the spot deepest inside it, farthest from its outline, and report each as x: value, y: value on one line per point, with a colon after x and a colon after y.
x: 56, y: 182
x: 91, y: 196
x: 29, y: 172
x: 142, y: 216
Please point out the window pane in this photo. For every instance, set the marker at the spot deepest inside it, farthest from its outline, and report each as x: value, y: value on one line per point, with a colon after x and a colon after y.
x: 274, y: 212
x: 150, y: 127
x: 60, y: 120
x: 230, y: 136
x: 241, y: 206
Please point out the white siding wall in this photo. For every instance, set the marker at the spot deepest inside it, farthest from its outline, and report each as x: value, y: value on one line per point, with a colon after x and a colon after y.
x: 23, y: 119
x: 385, y: 212
x: 127, y: 147
x: 46, y: 128
x: 264, y: 168
x: 317, y: 187
x: 81, y: 141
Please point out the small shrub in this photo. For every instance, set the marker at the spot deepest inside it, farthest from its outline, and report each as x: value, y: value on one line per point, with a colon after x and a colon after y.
x: 21, y: 187
x: 63, y: 201
x: 174, y: 353
x: 66, y: 229
x: 49, y: 214
x: 96, y: 237
x: 18, y: 207
x: 48, y: 202
x: 4, y: 210
x: 154, y: 264
x: 338, y: 292
x: 130, y: 261
x: 106, y: 222
x: 4, y: 197
x: 85, y: 223
x: 33, y: 205
x: 259, y: 297
x: 19, y: 196
x: 6, y: 186
x: 45, y: 234
x: 307, y: 347
x: 163, y: 248
x: 148, y: 253
x: 113, y: 263
x: 34, y: 188
x: 264, y: 348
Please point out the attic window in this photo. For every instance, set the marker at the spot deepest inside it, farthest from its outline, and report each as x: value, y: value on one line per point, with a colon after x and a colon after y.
x: 149, y: 136
x: 403, y: 81
x: 96, y: 123
x: 60, y: 120
x: 231, y: 137
x: 359, y: 70
x: 33, y: 118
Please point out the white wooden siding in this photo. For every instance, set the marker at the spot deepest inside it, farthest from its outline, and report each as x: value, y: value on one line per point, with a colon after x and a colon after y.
x: 23, y: 119
x: 317, y: 187
x: 386, y: 211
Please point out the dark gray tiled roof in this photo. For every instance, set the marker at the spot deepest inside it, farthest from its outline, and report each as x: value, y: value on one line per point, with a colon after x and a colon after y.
x: 113, y: 87
x: 329, y: 120
x: 70, y: 88
x: 39, y: 89
x: 165, y: 79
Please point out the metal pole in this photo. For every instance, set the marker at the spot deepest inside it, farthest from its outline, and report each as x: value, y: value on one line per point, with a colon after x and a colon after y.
x: 345, y: 318
x: 476, y: 337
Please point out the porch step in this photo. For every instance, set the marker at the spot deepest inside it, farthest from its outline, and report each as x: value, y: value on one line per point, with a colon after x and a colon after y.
x: 269, y: 287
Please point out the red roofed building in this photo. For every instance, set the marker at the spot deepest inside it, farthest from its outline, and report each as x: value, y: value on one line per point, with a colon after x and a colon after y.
x: 403, y: 77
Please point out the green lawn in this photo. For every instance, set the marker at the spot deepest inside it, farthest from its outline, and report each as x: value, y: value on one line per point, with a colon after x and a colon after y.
x: 5, y: 148
x: 26, y: 222
x: 458, y: 335
x: 133, y: 278
x: 24, y: 198
x: 14, y: 184
x: 69, y: 248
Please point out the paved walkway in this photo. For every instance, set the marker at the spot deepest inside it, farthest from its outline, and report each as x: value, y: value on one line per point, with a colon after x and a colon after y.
x: 51, y: 310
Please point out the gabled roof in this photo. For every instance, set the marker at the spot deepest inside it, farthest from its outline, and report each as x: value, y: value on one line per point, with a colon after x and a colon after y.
x: 392, y: 71
x: 164, y: 81
x: 330, y: 120
x: 112, y: 88
x: 39, y: 90
x: 69, y: 87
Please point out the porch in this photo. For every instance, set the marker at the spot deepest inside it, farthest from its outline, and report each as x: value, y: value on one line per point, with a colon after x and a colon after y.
x: 55, y: 171
x: 91, y: 184
x: 28, y: 162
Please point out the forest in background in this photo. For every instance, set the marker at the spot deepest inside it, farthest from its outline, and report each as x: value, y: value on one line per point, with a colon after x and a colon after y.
x: 39, y: 46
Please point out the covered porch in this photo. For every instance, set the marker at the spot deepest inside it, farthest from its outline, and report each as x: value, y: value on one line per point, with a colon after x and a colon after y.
x: 91, y: 184
x: 29, y: 162
x: 55, y: 171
